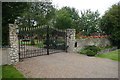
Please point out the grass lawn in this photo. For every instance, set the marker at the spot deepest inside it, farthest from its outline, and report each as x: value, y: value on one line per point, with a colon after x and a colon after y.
x: 8, y: 71
x: 111, y: 55
x: 0, y: 72
x: 40, y: 43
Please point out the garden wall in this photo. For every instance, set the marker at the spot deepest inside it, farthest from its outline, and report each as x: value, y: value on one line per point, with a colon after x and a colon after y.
x: 4, y: 56
x: 81, y: 43
x: 75, y: 45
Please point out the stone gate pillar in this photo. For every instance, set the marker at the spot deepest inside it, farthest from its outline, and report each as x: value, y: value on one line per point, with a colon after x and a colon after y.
x: 14, y: 46
x: 70, y: 39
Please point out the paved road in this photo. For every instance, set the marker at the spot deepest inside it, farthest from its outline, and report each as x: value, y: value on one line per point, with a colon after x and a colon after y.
x: 68, y: 65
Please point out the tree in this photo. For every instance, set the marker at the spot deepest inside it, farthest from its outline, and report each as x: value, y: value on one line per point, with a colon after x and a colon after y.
x: 66, y: 18
x: 89, y: 22
x: 10, y: 11
x: 73, y: 13
x: 24, y: 14
x: 110, y: 23
x: 38, y: 13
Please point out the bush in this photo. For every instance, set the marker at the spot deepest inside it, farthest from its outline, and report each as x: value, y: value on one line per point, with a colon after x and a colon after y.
x: 90, y: 53
x: 92, y: 48
x: 83, y: 51
x: 87, y: 52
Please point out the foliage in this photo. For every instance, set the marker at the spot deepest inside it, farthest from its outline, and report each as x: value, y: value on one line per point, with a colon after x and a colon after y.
x: 32, y: 42
x: 110, y: 23
x: 8, y: 71
x: 25, y: 14
x: 114, y: 55
x: 77, y: 36
x: 92, y: 48
x: 89, y: 22
x: 106, y: 47
x: 37, y: 14
x: 35, y: 43
x: 87, y: 52
x: 90, y: 53
x: 10, y: 11
x: 66, y: 18
x: 0, y: 72
x: 83, y: 51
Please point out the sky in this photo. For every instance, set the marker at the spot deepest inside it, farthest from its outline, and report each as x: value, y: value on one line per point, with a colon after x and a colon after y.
x: 100, y: 5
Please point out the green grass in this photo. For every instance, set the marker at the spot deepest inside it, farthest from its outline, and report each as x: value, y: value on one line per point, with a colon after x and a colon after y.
x: 38, y: 43
x: 111, y: 55
x: 106, y: 47
x: 8, y: 71
x: 0, y: 72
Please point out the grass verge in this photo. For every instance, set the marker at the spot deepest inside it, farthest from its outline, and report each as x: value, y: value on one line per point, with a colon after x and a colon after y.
x: 114, y: 55
x: 8, y: 71
x: 0, y: 72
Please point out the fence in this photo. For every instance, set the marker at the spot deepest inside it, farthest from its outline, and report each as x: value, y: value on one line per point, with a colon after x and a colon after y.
x: 11, y: 55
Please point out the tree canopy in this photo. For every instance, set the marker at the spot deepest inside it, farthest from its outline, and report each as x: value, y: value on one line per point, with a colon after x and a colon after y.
x: 110, y: 23
x: 66, y: 18
x: 32, y: 14
x: 10, y: 11
x: 37, y: 14
x: 89, y: 22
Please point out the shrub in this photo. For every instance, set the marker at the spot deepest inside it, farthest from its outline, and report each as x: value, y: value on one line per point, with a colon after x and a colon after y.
x: 83, y: 51
x: 90, y: 53
x: 87, y: 52
x: 92, y: 48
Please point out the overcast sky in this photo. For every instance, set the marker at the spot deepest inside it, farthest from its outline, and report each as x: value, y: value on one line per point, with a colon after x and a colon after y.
x: 100, y: 5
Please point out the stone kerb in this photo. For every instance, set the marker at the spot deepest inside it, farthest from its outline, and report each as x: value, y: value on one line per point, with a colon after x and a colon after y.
x: 14, y: 46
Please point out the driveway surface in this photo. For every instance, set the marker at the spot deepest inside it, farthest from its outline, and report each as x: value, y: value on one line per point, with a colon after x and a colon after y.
x: 68, y: 65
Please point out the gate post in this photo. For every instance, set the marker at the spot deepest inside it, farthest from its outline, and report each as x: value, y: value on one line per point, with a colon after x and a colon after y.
x: 14, y: 45
x: 70, y: 39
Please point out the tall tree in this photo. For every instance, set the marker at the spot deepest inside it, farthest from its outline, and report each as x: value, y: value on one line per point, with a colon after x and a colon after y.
x: 10, y: 11
x: 66, y: 18
x: 38, y: 13
x: 25, y: 14
x: 110, y: 23
x: 89, y: 22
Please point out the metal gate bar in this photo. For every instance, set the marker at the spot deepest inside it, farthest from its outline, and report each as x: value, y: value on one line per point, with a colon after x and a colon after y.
x: 36, y: 41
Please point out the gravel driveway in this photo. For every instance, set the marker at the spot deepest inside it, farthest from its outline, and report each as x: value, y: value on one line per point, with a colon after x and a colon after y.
x: 68, y: 65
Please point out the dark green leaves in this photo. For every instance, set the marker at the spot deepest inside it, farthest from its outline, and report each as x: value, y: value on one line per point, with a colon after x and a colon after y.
x: 110, y: 23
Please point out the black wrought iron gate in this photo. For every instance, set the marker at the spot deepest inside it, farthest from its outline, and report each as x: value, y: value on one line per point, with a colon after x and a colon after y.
x: 44, y: 40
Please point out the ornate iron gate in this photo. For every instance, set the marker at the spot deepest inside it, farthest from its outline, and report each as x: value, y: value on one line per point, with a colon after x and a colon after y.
x: 36, y: 41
